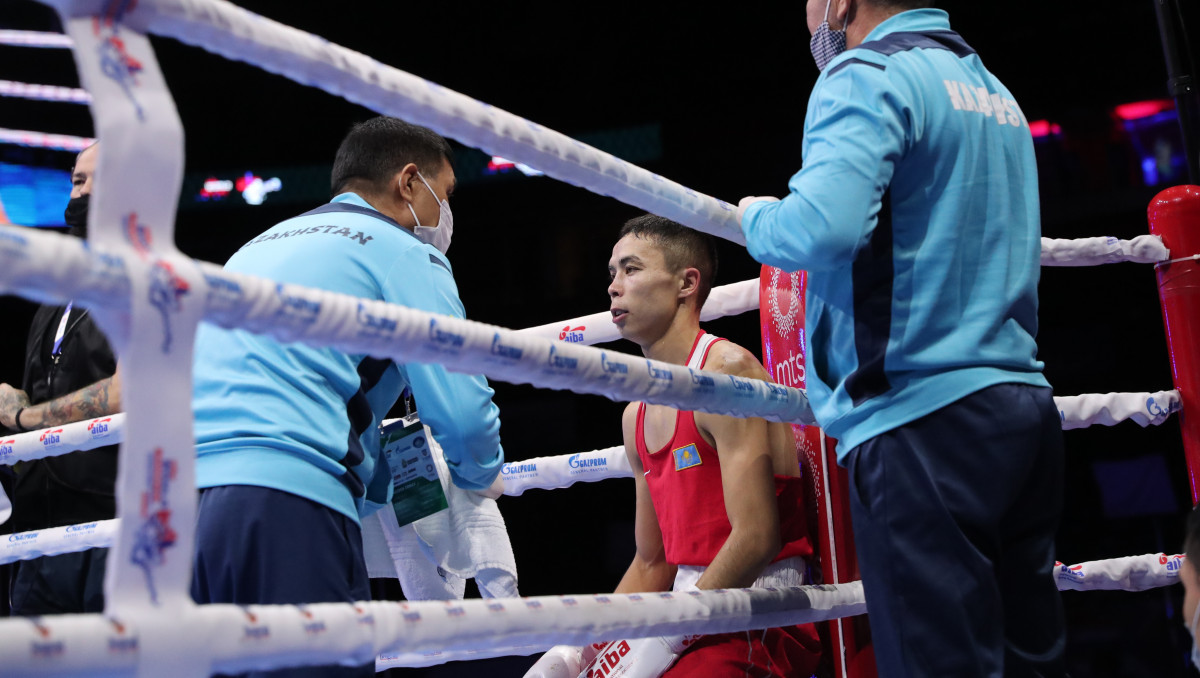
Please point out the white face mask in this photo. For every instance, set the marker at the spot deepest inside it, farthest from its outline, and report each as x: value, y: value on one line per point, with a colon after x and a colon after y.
x: 439, y: 235
x: 1192, y: 632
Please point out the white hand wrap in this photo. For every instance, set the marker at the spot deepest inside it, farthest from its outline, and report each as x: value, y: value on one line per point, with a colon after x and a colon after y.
x: 560, y: 661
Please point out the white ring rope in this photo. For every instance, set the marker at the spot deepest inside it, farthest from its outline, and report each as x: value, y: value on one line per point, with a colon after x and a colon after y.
x: 415, y: 634
x: 560, y: 472
x: 1129, y: 573
x: 61, y: 142
x: 56, y: 540
x: 1144, y: 249
x: 34, y: 39
x: 742, y: 297
x: 555, y: 472
x: 59, y: 440
x: 24, y: 90
x: 598, y: 328
x: 235, y: 33
x: 1107, y: 409
x: 52, y: 266
x: 270, y: 636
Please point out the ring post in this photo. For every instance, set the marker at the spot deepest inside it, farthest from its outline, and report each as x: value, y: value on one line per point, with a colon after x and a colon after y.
x: 1174, y: 215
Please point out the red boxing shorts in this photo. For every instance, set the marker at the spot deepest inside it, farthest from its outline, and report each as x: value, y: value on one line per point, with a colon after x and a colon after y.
x: 787, y: 652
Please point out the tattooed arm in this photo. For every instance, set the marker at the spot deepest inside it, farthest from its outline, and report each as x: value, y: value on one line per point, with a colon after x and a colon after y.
x: 100, y: 399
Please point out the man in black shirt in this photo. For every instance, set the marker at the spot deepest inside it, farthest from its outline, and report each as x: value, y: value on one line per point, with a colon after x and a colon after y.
x: 70, y: 375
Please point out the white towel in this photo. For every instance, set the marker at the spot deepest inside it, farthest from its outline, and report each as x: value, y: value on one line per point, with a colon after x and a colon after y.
x: 5, y: 507
x: 434, y: 556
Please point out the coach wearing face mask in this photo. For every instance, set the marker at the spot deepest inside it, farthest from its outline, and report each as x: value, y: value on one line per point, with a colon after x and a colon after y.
x: 70, y: 375
x: 916, y: 215
x: 289, y: 456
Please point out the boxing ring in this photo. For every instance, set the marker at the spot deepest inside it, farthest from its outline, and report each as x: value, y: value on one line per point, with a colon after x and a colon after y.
x: 149, y: 299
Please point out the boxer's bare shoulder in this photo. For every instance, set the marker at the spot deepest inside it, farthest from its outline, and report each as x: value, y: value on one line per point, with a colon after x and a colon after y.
x: 727, y: 357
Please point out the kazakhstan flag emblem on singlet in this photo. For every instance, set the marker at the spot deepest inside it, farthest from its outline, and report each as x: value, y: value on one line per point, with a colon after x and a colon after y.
x: 686, y: 457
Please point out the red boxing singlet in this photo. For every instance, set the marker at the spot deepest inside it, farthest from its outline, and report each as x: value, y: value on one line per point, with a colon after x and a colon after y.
x: 684, y: 478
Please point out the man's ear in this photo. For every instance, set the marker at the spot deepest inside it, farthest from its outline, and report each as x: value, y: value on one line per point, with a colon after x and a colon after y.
x: 403, y: 183
x: 690, y: 284
x: 842, y: 10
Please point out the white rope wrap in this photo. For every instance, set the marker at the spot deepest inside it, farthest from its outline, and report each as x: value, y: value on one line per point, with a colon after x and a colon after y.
x: 56, y: 540
x: 1107, y: 409
x: 25, y: 90
x: 58, y: 440
x: 260, y: 637
x: 1132, y: 573
x: 552, y: 473
x: 34, y: 39
x: 556, y: 472
x: 1144, y: 249
x: 598, y: 328
x: 62, y: 142
x: 49, y: 266
x: 415, y: 634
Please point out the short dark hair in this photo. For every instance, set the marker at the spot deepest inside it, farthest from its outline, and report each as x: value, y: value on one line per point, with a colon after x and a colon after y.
x: 374, y: 151
x: 682, y: 247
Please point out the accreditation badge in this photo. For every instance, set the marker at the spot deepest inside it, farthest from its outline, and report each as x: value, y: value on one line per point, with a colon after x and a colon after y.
x: 416, y: 489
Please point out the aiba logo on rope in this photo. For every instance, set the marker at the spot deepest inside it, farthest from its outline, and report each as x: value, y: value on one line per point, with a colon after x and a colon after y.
x: 1173, y: 563
x: 572, y: 335
x: 1070, y: 573
x: 154, y: 535
x: 51, y: 438
x: 121, y: 643
x: 45, y: 647
x: 6, y: 448
x: 99, y: 428
x: 116, y: 62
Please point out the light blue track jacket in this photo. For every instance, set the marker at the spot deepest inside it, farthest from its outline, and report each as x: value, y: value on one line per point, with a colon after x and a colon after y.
x: 303, y: 420
x: 916, y: 215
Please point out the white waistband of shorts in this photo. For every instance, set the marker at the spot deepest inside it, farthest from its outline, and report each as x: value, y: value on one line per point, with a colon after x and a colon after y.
x: 780, y: 574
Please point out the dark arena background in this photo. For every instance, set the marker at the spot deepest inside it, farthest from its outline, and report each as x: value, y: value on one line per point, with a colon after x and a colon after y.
x: 715, y: 101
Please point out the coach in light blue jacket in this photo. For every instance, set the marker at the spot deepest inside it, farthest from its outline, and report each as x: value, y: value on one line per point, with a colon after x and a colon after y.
x: 289, y: 454
x: 916, y: 215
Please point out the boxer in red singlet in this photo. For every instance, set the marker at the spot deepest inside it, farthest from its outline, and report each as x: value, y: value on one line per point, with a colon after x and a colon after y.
x: 719, y: 499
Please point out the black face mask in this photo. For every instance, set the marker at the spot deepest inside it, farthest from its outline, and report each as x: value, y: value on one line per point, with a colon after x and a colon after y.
x: 76, y: 216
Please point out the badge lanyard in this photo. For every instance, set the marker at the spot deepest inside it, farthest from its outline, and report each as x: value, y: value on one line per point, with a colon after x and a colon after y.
x: 56, y: 352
